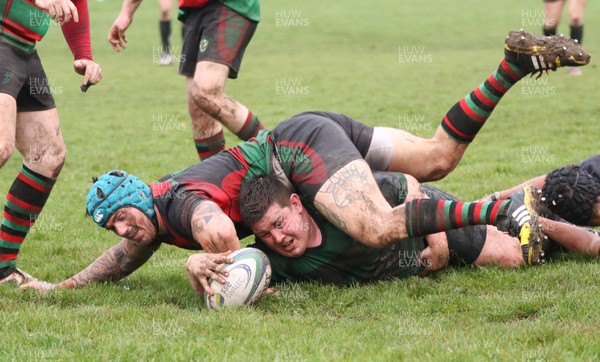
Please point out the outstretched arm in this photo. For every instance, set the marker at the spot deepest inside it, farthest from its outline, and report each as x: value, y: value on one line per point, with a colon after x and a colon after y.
x: 572, y: 237
x: 115, y: 264
x: 212, y: 229
x: 537, y: 182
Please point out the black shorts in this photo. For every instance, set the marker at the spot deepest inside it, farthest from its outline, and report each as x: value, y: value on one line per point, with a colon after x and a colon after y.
x: 23, y: 77
x: 465, y: 244
x: 214, y: 33
x: 312, y: 146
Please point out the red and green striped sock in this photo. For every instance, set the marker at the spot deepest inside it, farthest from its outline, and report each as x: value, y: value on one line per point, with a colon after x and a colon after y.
x: 23, y: 204
x: 250, y: 128
x: 465, y: 118
x: 428, y: 216
x: 210, y: 146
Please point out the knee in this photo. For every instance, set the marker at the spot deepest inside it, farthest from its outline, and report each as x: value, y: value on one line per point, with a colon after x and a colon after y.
x: 439, y: 167
x: 58, y: 158
x: 50, y: 160
x: 6, y: 150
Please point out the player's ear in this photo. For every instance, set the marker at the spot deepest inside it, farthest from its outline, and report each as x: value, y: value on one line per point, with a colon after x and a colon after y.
x: 295, y: 202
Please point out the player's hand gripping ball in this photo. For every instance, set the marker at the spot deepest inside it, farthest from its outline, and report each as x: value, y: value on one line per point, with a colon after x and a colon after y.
x: 248, y: 279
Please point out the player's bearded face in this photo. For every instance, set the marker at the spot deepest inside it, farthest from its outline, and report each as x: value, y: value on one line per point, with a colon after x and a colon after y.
x: 132, y: 224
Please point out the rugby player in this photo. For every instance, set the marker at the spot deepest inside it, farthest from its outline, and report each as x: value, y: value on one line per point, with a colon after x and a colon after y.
x: 215, y: 36
x: 303, y: 246
x: 571, y: 192
x: 28, y: 117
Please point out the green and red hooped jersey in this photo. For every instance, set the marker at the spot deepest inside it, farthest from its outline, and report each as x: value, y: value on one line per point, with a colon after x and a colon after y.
x: 310, y: 147
x: 217, y: 179
x: 250, y: 9
x: 23, y: 24
x: 342, y: 260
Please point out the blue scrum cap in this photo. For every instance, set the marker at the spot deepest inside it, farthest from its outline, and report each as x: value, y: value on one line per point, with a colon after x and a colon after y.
x: 114, y: 190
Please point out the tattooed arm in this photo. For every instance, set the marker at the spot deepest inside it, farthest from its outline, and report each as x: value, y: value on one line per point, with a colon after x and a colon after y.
x: 115, y: 264
x: 213, y: 229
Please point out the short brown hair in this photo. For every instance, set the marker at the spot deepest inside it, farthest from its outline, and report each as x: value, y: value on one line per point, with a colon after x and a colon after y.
x: 258, y: 194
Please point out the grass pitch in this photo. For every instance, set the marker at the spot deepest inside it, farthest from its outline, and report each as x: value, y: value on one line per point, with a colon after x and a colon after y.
x: 399, y: 64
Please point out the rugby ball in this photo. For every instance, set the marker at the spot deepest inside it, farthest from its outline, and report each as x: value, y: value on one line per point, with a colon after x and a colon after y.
x: 248, y: 278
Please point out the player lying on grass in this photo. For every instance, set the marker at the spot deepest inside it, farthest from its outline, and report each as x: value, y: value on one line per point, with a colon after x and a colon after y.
x: 290, y: 230
x: 571, y: 192
x: 327, y: 158
x: 303, y: 246
x: 176, y: 212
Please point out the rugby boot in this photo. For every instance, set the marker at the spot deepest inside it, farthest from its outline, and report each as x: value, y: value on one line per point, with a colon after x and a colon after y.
x: 535, y: 53
x: 520, y: 219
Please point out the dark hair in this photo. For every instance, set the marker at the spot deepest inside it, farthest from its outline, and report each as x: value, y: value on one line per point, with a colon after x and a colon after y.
x: 258, y: 194
x: 571, y: 193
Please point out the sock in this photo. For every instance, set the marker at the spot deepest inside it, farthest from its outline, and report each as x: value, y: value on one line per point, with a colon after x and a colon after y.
x: 209, y: 146
x: 24, y: 202
x: 429, y: 216
x: 250, y: 128
x: 550, y: 31
x: 465, y: 118
x: 577, y: 33
x: 165, y: 35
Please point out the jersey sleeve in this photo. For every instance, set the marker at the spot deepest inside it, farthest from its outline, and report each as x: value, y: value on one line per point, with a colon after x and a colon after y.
x: 77, y: 34
x: 182, y: 209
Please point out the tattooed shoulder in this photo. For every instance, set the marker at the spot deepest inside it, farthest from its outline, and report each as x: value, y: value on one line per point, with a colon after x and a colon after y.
x: 203, y: 214
x: 207, y: 208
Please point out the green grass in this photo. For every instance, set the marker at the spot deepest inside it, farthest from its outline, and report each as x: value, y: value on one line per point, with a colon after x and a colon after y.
x: 345, y: 59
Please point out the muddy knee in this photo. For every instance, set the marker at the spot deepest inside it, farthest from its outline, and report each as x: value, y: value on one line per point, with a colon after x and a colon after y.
x: 48, y: 161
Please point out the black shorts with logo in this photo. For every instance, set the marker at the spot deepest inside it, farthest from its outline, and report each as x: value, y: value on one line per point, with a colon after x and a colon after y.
x: 214, y: 33
x: 23, y: 77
